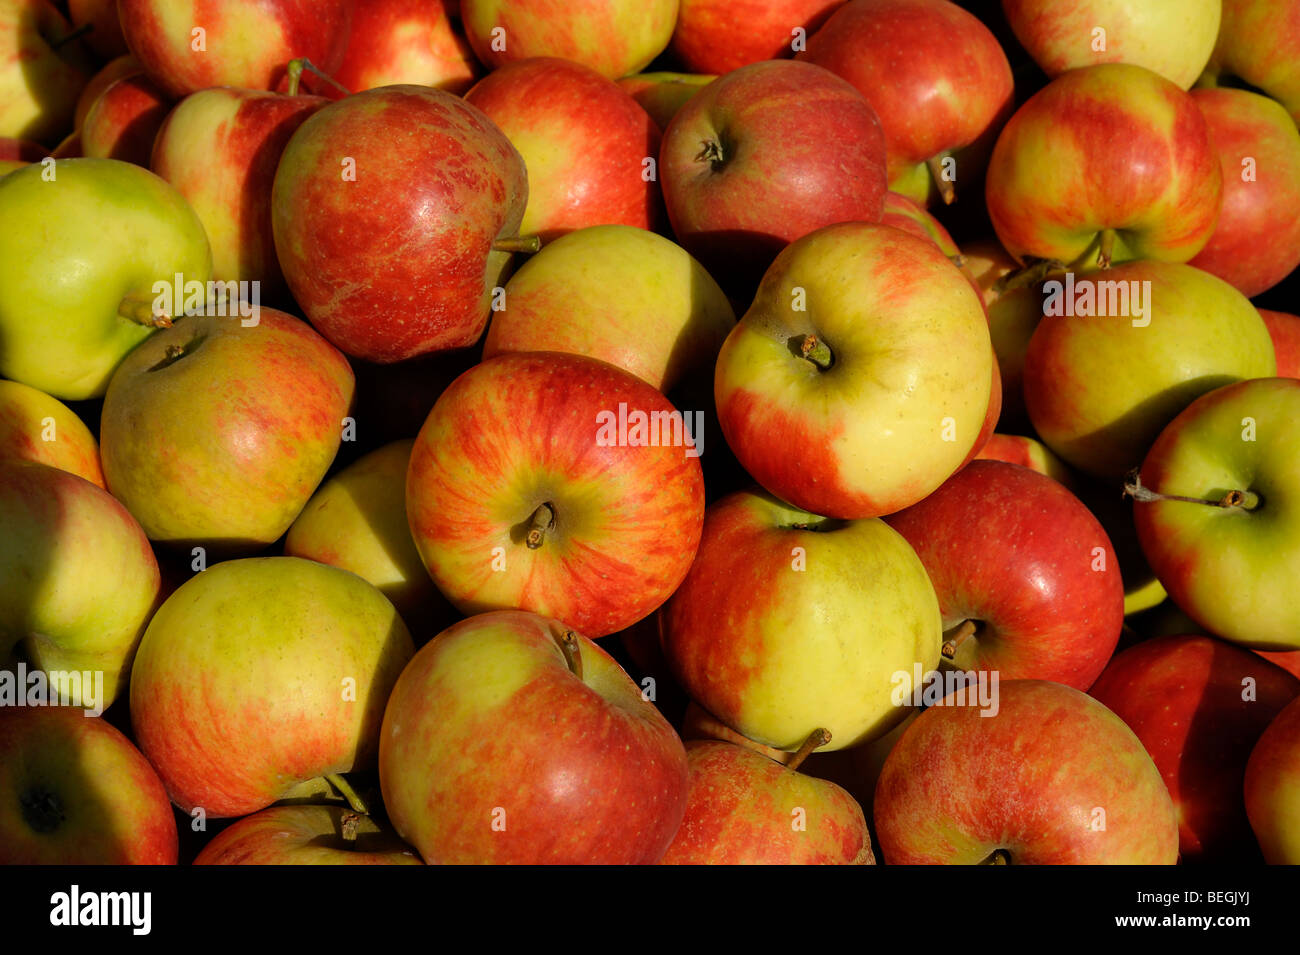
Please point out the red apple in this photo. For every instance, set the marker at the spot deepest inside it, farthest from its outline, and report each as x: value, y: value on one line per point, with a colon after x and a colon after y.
x: 1272, y: 788
x: 556, y: 758
x: 1256, y: 243
x: 36, y: 427
x: 1199, y: 705
x: 1053, y: 778
x: 1259, y: 42
x: 1284, y: 329
x: 587, y: 144
x: 220, y: 148
x: 558, y: 484
x: 1013, y: 315
x: 123, y: 122
x: 744, y: 174
x: 1027, y: 580
x: 114, y: 70
x: 936, y: 77
x: 1064, y: 184
x: 189, y: 45
x: 1028, y: 453
x: 746, y: 809
x: 306, y: 835
x: 387, y: 209
x: 406, y: 41
x: 76, y: 792
x: 718, y: 36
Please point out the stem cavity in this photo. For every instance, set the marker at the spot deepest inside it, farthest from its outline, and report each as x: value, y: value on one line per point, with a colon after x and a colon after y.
x: 568, y: 643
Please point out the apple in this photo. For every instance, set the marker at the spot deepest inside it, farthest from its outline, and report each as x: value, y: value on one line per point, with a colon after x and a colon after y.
x: 105, y: 36
x: 189, y: 45
x: 1053, y: 778
x: 745, y: 809
x: 216, y: 432
x: 21, y: 150
x: 1229, y: 556
x: 71, y: 304
x: 220, y: 148
x: 630, y: 297
x: 859, y: 379
x: 41, y: 74
x: 1272, y: 788
x: 357, y: 521
x: 1119, y: 353
x: 258, y: 675
x: 1199, y: 705
x: 406, y: 41
x: 744, y: 174
x: 306, y: 835
x: 903, y: 213
x: 1027, y: 580
x: 663, y: 94
x: 112, y: 71
x: 613, y: 37
x: 1028, y: 453
x: 1259, y: 43
x: 1256, y: 243
x: 78, y: 582
x: 1284, y: 330
x: 557, y: 484
x: 587, y: 144
x: 718, y: 36
x: 387, y: 209
x: 1063, y: 184
x: 123, y: 121
x: 76, y: 792
x: 789, y: 622
x: 36, y: 427
x: 556, y: 758
x: 936, y: 77
x: 1171, y: 37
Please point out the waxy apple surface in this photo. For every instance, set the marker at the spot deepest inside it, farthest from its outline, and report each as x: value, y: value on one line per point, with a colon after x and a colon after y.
x: 1105, y: 164
x: 893, y: 391
x: 386, y: 208
x: 258, y: 675
x: 519, y: 496
x: 36, y: 427
x: 1273, y: 788
x: 74, y: 791
x: 306, y: 835
x: 1053, y: 778
x: 407, y: 41
x: 718, y: 36
x: 1259, y: 43
x: 1020, y: 557
x: 789, y: 622
x: 512, y: 739
x: 1199, y: 706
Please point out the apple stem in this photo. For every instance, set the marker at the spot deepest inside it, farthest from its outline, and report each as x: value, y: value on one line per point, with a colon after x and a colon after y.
x: 518, y: 243
x: 348, y: 793
x: 818, y: 737
x: 1031, y: 274
x: 568, y: 641
x: 139, y: 309
x: 997, y: 857
x: 1246, y: 500
x: 817, y: 352
x: 710, y: 152
x: 958, y: 260
x: 298, y: 64
x: 1105, y: 248
x: 543, y: 520
x: 958, y: 637
x: 349, y: 821
x: 76, y: 34
x: 947, y: 190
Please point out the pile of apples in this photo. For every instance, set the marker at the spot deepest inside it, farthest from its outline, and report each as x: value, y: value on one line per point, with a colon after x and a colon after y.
x: 649, y: 431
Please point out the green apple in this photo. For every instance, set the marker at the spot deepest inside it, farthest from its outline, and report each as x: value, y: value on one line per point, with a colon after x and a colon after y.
x: 78, y: 580
x: 1272, y: 788
x: 36, y: 427
x: 1217, y: 515
x: 789, y: 622
x: 259, y: 675
x: 84, y: 242
x: 1119, y: 353
x: 357, y: 521
x: 40, y: 77
x: 859, y: 379
x: 216, y: 431
x: 631, y: 298
x: 663, y: 94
